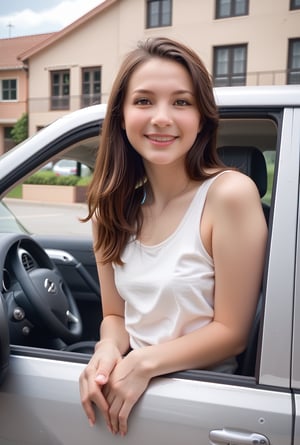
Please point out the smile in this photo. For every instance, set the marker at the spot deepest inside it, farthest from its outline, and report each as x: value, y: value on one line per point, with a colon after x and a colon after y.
x: 157, y: 138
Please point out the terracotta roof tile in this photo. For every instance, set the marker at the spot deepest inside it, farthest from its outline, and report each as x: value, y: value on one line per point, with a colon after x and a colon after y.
x: 11, y: 48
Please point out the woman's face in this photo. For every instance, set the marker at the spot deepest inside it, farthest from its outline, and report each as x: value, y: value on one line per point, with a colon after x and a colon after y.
x: 160, y: 114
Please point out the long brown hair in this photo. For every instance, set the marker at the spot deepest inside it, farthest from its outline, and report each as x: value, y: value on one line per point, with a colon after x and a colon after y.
x: 115, y: 195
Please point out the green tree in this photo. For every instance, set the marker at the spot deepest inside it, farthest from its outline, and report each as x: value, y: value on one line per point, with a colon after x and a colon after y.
x: 20, y: 130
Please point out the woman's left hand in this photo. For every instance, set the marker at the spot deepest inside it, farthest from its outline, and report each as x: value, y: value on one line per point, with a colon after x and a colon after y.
x: 126, y: 384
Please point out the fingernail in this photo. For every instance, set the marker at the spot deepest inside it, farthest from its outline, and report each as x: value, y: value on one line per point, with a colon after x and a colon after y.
x: 100, y: 378
x: 91, y: 422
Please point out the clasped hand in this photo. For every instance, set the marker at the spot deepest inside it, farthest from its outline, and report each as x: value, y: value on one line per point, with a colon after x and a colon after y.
x: 114, y: 384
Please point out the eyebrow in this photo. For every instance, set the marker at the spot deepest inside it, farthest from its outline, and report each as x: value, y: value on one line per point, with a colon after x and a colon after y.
x: 144, y: 91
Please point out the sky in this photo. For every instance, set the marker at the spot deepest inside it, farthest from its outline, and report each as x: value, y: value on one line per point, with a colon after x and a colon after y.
x: 26, y: 17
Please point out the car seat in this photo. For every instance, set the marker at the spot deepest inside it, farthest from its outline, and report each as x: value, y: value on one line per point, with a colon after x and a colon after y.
x: 251, y: 161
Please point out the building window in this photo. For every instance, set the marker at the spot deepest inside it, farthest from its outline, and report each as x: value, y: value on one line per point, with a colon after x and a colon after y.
x: 231, y: 8
x: 7, y: 132
x: 8, y: 89
x: 230, y: 65
x: 60, y: 90
x: 295, y: 4
x: 91, y: 86
x: 8, y: 140
x: 294, y: 62
x: 159, y: 13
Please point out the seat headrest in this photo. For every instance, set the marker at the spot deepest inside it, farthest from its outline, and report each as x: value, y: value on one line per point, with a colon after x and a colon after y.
x: 248, y: 160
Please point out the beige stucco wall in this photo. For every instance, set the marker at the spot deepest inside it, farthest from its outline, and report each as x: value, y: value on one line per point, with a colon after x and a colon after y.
x: 107, y: 37
x: 11, y: 111
x: 87, y: 47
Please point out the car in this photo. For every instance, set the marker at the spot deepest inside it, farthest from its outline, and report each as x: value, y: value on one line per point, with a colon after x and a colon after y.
x: 66, y: 167
x: 50, y: 308
x: 47, y: 167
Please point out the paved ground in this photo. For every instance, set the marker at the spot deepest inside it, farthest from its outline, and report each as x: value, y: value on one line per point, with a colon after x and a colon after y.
x: 53, y: 219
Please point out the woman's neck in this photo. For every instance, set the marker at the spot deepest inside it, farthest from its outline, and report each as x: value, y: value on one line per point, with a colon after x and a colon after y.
x: 166, y: 184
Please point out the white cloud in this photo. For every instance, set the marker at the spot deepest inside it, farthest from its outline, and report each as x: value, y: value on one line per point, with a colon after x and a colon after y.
x: 28, y: 22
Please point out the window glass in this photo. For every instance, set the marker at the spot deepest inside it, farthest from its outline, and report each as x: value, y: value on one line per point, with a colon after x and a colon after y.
x: 230, y: 65
x: 159, y: 13
x: 222, y: 61
x: 295, y: 4
x: 239, y: 60
x: 60, y: 90
x: 7, y: 132
x: 261, y: 133
x: 166, y: 12
x: 9, y: 89
x: 231, y: 8
x: 55, y: 78
x: 240, y: 7
x: 294, y: 62
x: 91, y: 86
x: 224, y: 8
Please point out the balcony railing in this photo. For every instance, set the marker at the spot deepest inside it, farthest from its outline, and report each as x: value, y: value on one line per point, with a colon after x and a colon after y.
x: 279, y: 77
x: 71, y: 103
x: 63, y: 103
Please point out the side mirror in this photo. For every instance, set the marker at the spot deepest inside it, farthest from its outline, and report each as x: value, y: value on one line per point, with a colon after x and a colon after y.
x: 4, y: 339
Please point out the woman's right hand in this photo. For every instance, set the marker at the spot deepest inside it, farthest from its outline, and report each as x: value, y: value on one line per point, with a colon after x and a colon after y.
x: 95, y: 376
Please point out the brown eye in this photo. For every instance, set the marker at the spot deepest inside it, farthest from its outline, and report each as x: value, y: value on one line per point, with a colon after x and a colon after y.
x: 182, y: 103
x: 142, y: 101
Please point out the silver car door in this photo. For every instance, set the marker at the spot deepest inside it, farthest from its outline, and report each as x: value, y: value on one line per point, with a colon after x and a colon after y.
x: 40, y: 404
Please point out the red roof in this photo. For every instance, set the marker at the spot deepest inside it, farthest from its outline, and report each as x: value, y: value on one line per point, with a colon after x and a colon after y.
x: 11, y: 48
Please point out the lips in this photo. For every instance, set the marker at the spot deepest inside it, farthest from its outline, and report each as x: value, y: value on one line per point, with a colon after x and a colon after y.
x: 160, y: 138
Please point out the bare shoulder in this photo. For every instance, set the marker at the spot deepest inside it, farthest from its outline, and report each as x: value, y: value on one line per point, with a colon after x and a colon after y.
x: 233, y: 187
x: 233, y: 194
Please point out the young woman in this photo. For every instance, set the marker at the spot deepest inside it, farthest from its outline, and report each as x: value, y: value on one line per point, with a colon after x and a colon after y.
x: 179, y: 240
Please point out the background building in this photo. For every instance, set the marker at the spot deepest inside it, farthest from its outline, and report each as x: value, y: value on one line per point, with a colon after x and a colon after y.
x: 242, y: 42
x: 13, y: 84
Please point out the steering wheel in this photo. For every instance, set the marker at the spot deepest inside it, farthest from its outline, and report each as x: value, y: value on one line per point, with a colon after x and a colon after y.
x: 46, y: 298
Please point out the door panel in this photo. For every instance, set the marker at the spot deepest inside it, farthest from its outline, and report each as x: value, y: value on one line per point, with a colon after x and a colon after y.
x: 80, y: 273
x: 81, y: 248
x: 42, y: 405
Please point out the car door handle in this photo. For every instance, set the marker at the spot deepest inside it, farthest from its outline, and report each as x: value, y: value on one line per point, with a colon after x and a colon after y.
x: 234, y: 437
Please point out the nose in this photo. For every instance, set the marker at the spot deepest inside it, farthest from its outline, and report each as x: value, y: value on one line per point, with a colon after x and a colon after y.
x: 161, y: 116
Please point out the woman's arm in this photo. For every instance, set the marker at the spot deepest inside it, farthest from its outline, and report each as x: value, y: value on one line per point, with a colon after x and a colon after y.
x: 112, y: 326
x: 114, y: 342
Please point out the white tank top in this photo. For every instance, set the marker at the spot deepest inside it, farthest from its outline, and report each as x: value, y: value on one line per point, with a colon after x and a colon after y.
x: 168, y: 288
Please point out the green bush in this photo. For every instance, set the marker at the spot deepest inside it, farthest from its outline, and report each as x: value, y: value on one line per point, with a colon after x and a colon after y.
x: 50, y: 178
x: 20, y: 130
x: 16, y: 192
x: 67, y: 180
x: 84, y: 181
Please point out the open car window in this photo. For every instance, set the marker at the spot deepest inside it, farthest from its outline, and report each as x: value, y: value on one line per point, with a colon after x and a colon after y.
x: 237, y: 130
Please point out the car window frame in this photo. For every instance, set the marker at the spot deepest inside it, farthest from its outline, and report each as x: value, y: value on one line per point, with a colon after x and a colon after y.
x: 295, y: 372
x: 275, y: 351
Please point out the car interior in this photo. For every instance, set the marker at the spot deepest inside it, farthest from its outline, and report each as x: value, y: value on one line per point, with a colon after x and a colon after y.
x: 35, y: 264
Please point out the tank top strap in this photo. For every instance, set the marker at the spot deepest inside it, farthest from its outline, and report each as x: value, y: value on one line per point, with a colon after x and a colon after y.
x: 197, y: 205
